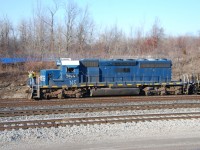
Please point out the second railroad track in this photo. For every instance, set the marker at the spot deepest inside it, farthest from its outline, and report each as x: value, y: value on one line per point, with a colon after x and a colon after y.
x: 16, y: 125
x: 24, y: 112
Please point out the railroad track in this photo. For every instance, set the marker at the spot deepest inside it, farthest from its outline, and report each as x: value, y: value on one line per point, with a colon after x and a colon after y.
x: 95, y: 120
x: 93, y: 100
x: 12, y: 113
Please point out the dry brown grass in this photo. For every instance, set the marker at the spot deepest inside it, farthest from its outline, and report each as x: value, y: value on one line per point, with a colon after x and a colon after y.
x: 25, y: 67
x: 37, y: 66
x: 18, y: 73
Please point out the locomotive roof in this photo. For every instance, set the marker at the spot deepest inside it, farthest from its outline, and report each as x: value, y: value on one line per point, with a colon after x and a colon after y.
x: 108, y: 62
x: 121, y: 60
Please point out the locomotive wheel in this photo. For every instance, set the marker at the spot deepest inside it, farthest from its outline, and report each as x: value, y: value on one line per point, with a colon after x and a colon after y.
x: 60, y: 96
x: 162, y: 93
x: 78, y: 95
x: 147, y: 93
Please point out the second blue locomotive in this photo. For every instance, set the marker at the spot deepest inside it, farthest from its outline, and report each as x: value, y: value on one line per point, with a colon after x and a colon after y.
x: 99, y: 77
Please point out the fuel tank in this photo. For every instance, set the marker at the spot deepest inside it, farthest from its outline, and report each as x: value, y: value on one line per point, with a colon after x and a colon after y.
x: 115, y: 92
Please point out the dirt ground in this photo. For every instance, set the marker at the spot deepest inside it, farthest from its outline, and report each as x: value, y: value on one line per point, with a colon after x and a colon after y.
x: 13, y: 85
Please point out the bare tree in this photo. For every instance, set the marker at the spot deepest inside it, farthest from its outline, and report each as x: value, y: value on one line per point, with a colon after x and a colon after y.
x: 136, y: 41
x: 156, y: 35
x: 157, y: 31
x: 71, y: 14
x: 25, y: 37
x: 40, y: 31
x: 5, y: 36
x: 85, y: 29
x: 51, y: 23
x: 60, y: 40
x: 114, y: 40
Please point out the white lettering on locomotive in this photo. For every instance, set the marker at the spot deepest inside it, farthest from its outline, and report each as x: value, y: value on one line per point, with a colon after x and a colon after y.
x: 42, y: 78
x: 72, y: 82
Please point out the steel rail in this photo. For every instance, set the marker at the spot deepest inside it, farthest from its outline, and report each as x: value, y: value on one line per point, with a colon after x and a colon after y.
x: 94, y: 100
x: 95, y: 120
x: 12, y: 113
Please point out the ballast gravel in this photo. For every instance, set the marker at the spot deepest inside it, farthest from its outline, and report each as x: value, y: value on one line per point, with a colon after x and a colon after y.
x: 103, y: 104
x: 78, y: 137
x: 82, y: 137
x: 98, y: 114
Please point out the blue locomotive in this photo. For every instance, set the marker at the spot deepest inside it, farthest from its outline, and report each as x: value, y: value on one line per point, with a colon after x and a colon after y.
x: 99, y: 77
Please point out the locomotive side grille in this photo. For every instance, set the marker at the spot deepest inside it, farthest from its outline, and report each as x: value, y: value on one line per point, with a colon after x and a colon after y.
x: 155, y: 65
x: 124, y: 63
x: 90, y: 63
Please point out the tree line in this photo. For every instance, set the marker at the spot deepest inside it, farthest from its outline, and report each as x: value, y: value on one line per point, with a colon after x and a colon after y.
x: 74, y: 34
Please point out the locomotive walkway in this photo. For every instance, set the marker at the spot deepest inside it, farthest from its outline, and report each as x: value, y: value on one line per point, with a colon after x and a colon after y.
x: 95, y: 120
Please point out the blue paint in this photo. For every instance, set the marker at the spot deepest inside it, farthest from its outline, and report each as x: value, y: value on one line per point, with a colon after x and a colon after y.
x: 115, y: 71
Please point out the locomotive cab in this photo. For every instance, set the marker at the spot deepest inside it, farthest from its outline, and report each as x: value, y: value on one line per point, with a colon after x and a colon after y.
x: 69, y: 71
x: 67, y: 74
x: 47, y: 77
x: 59, y: 82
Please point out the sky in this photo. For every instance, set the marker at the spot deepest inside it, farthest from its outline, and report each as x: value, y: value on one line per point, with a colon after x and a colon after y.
x: 177, y: 17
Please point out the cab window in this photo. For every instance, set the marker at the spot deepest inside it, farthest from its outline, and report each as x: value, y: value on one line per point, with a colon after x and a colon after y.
x: 70, y: 70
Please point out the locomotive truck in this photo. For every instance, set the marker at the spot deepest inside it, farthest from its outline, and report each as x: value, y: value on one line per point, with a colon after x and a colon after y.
x: 112, y: 77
